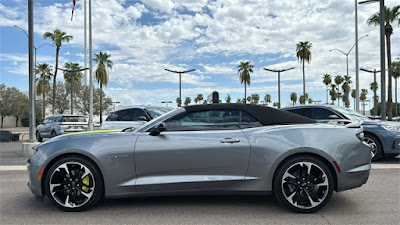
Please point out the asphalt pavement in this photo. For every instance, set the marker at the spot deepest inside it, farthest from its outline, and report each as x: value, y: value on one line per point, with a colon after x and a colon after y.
x: 377, y: 202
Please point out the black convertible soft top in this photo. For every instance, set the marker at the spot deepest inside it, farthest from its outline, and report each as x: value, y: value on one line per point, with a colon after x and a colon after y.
x: 265, y: 115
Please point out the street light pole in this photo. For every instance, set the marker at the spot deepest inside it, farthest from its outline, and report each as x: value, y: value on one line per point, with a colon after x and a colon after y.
x: 347, y: 63
x: 166, y: 103
x: 375, y: 100
x: 180, y: 82
x: 72, y: 72
x: 32, y: 118
x: 90, y: 70
x: 279, y: 82
x: 382, y: 46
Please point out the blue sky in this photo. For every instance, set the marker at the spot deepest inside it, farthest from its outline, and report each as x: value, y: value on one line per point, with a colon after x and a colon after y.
x: 145, y: 37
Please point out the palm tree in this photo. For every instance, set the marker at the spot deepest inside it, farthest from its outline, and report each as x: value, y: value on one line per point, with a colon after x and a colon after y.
x: 267, y: 99
x: 187, y: 101
x: 244, y: 71
x: 327, y: 80
x: 255, y: 98
x: 363, y: 97
x: 45, y: 72
x: 293, y: 98
x: 199, y: 97
x: 396, y: 75
x: 178, y: 101
x: 228, y: 99
x: 333, y: 93
x: 338, y: 81
x: 310, y: 101
x: 346, y: 90
x: 303, y: 53
x: 353, y: 95
x: 58, y: 37
x: 302, y: 100
x: 103, y: 62
x: 374, y: 87
x: 391, y: 15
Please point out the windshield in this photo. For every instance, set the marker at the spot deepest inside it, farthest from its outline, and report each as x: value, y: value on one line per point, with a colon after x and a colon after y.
x: 156, y: 112
x: 73, y: 119
x: 350, y: 114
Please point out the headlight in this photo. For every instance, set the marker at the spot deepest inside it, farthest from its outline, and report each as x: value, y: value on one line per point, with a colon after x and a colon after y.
x: 391, y: 128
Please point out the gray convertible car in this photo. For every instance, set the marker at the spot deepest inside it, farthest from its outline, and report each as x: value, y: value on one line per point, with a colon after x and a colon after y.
x: 204, y: 149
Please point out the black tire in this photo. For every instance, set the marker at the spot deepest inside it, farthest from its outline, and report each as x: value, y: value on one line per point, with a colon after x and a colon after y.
x: 376, y: 153
x: 301, y: 185
x: 72, y: 185
x: 53, y: 134
x: 38, y: 137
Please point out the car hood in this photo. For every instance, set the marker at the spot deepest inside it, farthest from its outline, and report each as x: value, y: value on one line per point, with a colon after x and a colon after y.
x: 380, y: 123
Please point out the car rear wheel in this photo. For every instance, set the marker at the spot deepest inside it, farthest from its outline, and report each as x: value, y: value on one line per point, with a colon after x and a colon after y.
x: 53, y: 134
x: 73, y: 184
x: 303, y: 184
x: 376, y: 146
x: 38, y: 137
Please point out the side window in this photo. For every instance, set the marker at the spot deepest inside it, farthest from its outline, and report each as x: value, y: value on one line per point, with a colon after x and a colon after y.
x: 50, y: 119
x: 321, y: 114
x: 302, y: 112
x: 125, y: 115
x: 137, y: 113
x: 248, y: 121
x: 112, y: 117
x: 204, y: 120
x: 58, y: 119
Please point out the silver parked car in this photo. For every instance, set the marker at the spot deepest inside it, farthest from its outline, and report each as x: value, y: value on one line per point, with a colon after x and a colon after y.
x: 60, y: 124
x: 133, y: 117
x: 205, y: 149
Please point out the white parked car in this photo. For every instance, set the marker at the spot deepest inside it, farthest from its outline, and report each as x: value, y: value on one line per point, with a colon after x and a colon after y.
x: 133, y: 117
x: 60, y: 124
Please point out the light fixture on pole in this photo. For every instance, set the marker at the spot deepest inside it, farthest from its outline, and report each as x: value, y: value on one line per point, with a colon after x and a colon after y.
x: 382, y: 47
x: 72, y: 72
x: 180, y: 82
x: 375, y: 99
x: 166, y: 103
x: 347, y: 63
x: 279, y: 82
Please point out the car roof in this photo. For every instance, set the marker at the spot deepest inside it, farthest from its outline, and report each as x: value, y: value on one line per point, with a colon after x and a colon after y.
x: 141, y: 107
x: 266, y: 115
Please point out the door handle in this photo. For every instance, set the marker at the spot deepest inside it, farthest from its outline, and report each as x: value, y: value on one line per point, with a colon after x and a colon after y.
x: 229, y: 140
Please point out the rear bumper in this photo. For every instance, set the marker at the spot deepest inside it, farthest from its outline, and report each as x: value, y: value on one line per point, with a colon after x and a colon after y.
x: 354, y: 178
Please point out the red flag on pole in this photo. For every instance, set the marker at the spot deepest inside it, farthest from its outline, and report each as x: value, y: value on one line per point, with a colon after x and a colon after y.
x: 73, y: 7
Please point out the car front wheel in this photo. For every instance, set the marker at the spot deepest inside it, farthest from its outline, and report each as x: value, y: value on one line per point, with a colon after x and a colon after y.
x: 376, y: 146
x: 73, y: 184
x: 38, y: 137
x: 303, y: 184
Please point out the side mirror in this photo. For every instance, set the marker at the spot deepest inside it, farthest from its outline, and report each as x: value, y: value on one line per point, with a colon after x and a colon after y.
x: 333, y: 117
x: 157, y: 129
x: 142, y: 118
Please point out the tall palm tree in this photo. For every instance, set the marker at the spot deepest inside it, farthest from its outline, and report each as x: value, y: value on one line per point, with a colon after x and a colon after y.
x: 267, y: 99
x: 327, y: 80
x: 303, y: 53
x: 353, y: 95
x: 76, y: 75
x: 293, y: 97
x: 333, y: 93
x: 363, y: 97
x: 338, y: 81
x: 103, y: 62
x: 187, y: 101
x: 374, y: 87
x: 391, y: 15
x: 199, y: 97
x: 396, y: 75
x: 58, y: 37
x: 346, y: 90
x: 244, y: 71
x: 228, y: 99
x: 45, y: 72
x: 178, y: 101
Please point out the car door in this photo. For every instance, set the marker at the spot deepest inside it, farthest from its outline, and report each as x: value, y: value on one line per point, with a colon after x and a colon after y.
x: 323, y: 115
x: 198, y: 150
x: 41, y: 127
x: 48, y: 126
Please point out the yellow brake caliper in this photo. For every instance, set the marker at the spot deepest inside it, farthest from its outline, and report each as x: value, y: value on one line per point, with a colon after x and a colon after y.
x: 85, y: 181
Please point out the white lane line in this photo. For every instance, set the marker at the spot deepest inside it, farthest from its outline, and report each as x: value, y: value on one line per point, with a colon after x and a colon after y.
x: 374, y: 167
x: 12, y: 168
x: 385, y: 166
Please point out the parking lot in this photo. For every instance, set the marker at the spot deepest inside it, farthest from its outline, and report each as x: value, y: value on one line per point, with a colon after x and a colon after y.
x: 377, y: 202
